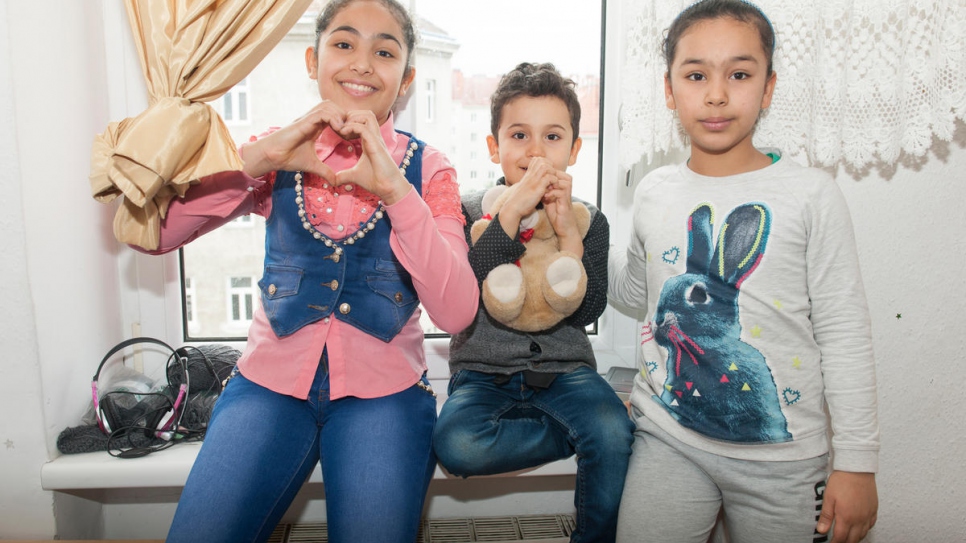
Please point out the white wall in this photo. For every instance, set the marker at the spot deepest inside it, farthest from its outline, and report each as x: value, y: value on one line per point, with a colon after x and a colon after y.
x: 63, y: 275
x: 910, y: 228
x: 61, y: 313
x: 22, y: 440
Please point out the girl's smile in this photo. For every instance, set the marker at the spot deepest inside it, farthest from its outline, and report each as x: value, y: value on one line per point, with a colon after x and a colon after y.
x: 358, y: 89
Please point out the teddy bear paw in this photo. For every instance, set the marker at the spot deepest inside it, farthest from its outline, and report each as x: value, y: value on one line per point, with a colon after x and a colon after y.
x: 505, y: 283
x: 566, y: 284
x: 563, y: 276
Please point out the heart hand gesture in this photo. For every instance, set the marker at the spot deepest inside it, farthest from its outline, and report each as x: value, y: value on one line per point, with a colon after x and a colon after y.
x: 292, y: 148
x: 376, y: 171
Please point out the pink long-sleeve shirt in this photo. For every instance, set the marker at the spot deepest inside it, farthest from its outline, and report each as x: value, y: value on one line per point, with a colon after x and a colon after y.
x: 427, y: 237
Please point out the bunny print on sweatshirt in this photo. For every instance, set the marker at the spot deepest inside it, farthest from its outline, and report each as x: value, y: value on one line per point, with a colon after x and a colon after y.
x: 716, y: 383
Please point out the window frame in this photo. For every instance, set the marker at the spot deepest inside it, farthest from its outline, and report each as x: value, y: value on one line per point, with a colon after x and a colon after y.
x: 152, y: 299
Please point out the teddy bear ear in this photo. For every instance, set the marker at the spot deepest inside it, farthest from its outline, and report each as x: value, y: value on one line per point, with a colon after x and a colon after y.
x: 490, y: 197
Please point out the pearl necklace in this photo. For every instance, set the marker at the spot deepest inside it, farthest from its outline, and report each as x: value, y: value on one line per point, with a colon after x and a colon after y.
x: 364, y: 229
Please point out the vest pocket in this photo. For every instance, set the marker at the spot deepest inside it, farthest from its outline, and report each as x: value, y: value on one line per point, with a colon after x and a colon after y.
x: 279, y: 282
x: 392, y: 281
x: 393, y: 290
x: 382, y: 265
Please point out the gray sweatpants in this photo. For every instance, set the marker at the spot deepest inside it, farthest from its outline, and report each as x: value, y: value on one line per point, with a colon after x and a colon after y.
x: 674, y: 494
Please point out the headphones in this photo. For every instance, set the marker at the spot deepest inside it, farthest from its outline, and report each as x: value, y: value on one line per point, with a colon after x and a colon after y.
x: 154, y: 412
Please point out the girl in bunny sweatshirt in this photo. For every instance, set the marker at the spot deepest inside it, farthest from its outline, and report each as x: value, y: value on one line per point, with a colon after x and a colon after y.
x: 756, y: 320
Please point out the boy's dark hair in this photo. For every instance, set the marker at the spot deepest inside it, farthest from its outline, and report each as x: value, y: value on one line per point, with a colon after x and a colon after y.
x: 705, y: 10
x: 333, y: 7
x: 534, y: 80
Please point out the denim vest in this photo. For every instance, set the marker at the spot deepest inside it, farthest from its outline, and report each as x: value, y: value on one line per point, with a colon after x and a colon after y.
x: 305, y: 280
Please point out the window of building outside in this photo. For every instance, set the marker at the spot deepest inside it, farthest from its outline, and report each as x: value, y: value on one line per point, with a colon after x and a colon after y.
x: 189, y: 302
x: 241, y: 297
x: 430, y: 97
x: 462, y: 50
x: 245, y: 221
x: 235, y: 106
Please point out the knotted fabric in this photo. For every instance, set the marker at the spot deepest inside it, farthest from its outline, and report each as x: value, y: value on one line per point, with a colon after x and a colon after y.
x: 191, y: 52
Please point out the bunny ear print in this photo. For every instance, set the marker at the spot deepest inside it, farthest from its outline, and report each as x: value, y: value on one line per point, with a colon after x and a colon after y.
x: 699, y: 239
x: 741, y: 243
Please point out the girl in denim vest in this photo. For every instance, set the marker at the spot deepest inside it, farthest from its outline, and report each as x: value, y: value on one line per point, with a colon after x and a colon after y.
x: 363, y: 224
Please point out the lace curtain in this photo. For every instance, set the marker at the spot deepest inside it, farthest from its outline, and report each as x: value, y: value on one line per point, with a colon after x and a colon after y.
x: 191, y: 51
x: 859, y: 81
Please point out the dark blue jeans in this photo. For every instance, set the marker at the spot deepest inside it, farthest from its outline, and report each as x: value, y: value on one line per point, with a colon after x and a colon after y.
x: 486, y: 427
x: 261, y: 446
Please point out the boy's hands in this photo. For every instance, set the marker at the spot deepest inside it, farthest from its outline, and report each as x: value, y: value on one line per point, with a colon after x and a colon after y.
x: 543, y: 183
x: 851, y: 502
x: 525, y: 194
x: 559, y: 205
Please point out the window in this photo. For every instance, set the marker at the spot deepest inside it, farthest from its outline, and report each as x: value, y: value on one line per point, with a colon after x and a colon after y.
x: 458, y: 66
x: 241, y: 299
x: 464, y: 49
x: 430, y: 97
x: 189, y: 303
x: 234, y: 105
x: 245, y: 221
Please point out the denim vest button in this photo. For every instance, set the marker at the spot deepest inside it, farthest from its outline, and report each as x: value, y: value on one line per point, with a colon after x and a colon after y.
x: 398, y: 297
x: 272, y: 289
x: 345, y: 309
x: 334, y: 284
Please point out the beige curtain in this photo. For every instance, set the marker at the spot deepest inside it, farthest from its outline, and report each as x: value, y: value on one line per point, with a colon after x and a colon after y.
x: 191, y: 51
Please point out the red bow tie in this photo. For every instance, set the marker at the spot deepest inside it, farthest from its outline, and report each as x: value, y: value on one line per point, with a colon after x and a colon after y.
x: 526, y: 235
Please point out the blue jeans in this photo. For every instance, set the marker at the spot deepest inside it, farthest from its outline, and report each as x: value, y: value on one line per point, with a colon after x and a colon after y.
x: 376, y: 457
x: 486, y: 428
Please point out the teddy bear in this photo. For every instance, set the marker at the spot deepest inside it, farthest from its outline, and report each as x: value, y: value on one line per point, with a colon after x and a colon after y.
x: 546, y: 285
